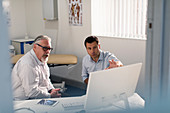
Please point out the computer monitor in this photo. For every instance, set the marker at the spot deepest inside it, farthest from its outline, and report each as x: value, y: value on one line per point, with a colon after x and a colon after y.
x: 108, y: 86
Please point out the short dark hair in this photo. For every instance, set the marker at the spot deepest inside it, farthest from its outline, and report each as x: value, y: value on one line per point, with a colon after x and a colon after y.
x: 91, y: 39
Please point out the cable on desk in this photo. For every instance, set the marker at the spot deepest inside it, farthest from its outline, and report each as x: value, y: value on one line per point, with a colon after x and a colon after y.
x: 29, y: 109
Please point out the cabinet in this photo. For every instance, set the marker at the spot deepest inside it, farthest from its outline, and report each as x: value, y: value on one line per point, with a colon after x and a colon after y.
x: 50, y: 9
x: 22, y: 46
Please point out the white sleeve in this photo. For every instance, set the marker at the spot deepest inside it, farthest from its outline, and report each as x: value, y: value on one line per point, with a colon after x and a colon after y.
x: 30, y: 82
x: 50, y: 85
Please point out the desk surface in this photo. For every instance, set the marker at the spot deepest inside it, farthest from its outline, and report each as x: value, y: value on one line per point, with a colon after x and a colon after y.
x: 53, y: 59
x: 135, y: 102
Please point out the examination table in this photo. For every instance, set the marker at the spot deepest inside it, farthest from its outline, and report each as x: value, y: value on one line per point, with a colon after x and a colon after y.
x: 54, y: 59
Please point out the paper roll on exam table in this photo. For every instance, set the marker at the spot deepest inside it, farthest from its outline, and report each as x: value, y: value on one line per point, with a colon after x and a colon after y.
x: 54, y: 59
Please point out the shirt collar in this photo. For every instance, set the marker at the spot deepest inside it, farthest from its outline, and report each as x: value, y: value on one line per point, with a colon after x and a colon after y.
x: 100, y: 57
x: 35, y: 56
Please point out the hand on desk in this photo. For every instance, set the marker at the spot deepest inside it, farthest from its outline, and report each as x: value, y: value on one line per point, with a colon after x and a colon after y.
x: 55, y: 93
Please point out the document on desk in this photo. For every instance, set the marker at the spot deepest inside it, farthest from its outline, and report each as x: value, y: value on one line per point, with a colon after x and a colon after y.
x: 48, y: 102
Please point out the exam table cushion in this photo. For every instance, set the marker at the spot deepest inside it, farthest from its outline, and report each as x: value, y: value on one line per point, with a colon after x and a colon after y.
x: 53, y: 59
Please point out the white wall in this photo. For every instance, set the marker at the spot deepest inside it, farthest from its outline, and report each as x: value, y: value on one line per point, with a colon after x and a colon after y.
x: 129, y: 51
x: 69, y: 39
x: 17, y: 26
x: 35, y: 23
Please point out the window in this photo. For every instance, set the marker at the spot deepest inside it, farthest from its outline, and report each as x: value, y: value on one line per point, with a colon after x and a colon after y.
x: 119, y: 18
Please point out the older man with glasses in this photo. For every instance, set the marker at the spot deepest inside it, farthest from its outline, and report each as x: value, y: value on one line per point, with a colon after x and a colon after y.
x: 30, y: 75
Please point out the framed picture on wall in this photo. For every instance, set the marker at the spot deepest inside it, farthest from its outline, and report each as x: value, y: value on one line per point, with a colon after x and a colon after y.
x: 75, y: 12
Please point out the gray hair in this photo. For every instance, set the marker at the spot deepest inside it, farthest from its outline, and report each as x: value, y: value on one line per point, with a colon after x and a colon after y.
x: 42, y: 37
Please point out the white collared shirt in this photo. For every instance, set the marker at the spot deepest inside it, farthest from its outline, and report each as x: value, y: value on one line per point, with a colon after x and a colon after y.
x: 30, y: 78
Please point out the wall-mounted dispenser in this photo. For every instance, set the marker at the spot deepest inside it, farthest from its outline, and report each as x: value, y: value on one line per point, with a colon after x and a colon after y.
x: 50, y: 9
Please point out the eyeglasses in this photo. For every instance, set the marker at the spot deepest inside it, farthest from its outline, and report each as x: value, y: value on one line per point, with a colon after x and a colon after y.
x: 45, y: 48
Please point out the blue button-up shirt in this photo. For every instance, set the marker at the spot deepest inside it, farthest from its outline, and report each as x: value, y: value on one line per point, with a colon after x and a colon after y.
x: 88, y: 65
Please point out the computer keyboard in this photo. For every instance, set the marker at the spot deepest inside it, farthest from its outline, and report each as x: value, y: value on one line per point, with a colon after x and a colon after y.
x: 73, y: 105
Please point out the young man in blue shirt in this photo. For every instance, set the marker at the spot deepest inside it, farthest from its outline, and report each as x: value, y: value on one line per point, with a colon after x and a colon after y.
x: 97, y: 59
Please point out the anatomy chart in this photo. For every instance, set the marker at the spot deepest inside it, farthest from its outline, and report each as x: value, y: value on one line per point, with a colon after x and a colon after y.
x: 75, y: 12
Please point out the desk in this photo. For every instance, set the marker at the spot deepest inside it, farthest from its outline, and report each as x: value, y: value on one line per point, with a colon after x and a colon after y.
x: 22, y: 42
x: 54, y: 59
x: 135, y: 102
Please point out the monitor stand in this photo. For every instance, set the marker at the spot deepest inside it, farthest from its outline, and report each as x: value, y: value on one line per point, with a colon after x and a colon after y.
x: 110, y: 101
x: 124, y: 97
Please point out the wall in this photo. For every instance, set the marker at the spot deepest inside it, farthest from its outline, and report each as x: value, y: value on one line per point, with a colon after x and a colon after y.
x: 69, y: 39
x: 17, y: 26
x: 129, y: 51
x: 35, y: 23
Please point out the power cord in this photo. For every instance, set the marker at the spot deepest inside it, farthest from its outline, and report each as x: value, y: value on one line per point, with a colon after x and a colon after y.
x: 29, y: 109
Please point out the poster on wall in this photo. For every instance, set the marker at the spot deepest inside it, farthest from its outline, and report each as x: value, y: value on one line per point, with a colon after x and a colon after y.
x: 75, y: 12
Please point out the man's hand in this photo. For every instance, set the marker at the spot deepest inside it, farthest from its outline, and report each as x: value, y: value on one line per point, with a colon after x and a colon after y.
x: 86, y: 80
x: 114, y: 64
x: 55, y: 93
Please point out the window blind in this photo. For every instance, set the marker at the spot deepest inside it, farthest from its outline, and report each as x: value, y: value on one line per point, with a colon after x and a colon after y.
x: 119, y: 18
